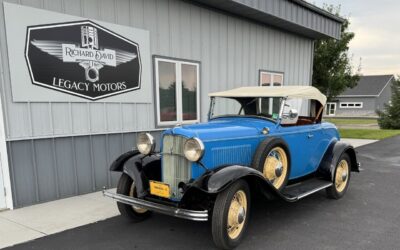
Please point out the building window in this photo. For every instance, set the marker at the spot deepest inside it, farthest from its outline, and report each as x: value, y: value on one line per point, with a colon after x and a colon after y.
x: 330, y: 108
x: 269, y: 79
x: 177, y: 91
x: 351, y: 105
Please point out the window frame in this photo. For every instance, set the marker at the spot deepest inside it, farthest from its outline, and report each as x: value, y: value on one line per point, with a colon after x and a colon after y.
x: 346, y: 105
x: 273, y: 74
x: 327, y: 109
x: 178, y: 90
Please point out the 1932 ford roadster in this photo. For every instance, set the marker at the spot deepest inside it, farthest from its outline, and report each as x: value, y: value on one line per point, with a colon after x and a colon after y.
x: 256, y: 140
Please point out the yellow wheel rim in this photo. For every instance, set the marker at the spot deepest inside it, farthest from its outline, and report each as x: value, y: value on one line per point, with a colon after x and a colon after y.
x: 132, y: 194
x: 237, y: 214
x: 342, y: 175
x: 276, y: 167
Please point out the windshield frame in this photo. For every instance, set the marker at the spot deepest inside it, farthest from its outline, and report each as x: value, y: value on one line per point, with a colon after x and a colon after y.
x: 212, y: 105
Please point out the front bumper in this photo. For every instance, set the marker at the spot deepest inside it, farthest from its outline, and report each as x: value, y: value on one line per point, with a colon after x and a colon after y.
x: 159, y: 208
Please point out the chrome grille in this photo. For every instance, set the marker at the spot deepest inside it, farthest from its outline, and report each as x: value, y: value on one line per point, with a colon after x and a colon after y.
x: 175, y: 167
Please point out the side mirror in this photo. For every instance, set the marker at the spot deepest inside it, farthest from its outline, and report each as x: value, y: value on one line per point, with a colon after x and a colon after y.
x: 290, y: 117
x: 293, y: 113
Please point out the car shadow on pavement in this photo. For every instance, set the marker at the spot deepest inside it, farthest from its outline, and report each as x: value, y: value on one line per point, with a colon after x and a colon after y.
x: 163, y: 232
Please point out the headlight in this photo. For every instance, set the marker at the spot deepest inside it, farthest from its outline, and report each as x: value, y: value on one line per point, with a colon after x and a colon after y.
x: 193, y: 149
x: 145, y: 143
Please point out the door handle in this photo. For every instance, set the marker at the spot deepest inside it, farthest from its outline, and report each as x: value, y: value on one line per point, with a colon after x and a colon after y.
x: 309, y: 136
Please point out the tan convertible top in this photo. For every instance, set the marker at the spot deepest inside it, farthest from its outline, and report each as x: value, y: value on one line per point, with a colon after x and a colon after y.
x: 306, y: 92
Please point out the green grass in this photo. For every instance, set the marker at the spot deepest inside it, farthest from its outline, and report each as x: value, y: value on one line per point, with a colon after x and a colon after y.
x: 373, y: 134
x: 351, y: 121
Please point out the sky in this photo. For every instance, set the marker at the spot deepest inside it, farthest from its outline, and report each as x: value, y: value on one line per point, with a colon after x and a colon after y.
x: 376, y: 25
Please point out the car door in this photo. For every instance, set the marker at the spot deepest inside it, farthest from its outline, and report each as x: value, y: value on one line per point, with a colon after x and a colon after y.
x: 299, y: 141
x: 315, y: 145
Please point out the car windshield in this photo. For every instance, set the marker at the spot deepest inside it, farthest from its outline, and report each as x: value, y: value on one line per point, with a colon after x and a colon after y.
x: 264, y: 107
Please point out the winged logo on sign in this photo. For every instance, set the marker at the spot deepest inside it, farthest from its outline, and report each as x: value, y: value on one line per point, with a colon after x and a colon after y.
x: 87, y: 54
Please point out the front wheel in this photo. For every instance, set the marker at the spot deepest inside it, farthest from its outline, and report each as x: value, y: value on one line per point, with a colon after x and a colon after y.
x: 230, y: 215
x: 341, y: 179
x: 126, y: 186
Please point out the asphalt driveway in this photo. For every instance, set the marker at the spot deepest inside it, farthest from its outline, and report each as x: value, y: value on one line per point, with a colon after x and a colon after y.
x: 368, y: 217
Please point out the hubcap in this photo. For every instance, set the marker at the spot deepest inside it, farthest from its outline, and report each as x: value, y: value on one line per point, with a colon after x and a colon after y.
x: 342, y: 173
x: 276, y: 167
x: 237, y: 214
x: 132, y: 193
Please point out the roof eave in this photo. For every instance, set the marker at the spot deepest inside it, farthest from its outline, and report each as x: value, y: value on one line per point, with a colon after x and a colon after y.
x: 250, y: 12
x: 319, y: 10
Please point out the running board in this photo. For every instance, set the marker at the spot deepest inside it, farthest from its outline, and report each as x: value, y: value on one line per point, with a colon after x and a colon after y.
x: 302, y: 189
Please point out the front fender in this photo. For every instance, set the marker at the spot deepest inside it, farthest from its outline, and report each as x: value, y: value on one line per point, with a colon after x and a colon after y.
x: 218, y: 180
x: 118, y: 163
x: 225, y: 176
x: 332, y: 156
x: 141, y: 168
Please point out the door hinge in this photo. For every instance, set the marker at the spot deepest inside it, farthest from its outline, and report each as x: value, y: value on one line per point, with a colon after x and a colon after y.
x: 5, y: 191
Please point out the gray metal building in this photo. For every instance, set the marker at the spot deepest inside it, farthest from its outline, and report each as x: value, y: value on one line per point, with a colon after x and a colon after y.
x: 58, y: 141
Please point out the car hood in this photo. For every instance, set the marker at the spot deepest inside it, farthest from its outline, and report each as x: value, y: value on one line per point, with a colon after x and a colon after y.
x: 222, y: 128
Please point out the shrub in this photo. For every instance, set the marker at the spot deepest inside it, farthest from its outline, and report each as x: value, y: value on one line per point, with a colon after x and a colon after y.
x: 389, y: 117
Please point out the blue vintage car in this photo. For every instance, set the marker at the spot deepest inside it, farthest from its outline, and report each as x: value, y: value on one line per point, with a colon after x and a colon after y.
x: 265, y: 140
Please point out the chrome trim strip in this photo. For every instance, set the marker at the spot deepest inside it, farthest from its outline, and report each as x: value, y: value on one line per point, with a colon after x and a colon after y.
x: 314, y: 190
x: 159, y: 208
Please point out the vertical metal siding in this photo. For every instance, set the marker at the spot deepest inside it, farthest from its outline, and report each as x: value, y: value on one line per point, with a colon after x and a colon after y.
x: 231, y: 51
x: 48, y: 169
x: 225, y: 45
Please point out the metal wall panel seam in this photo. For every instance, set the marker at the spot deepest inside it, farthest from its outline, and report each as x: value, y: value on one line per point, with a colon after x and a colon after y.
x: 12, y: 174
x: 108, y: 161
x: 82, y: 8
x: 75, y: 165
x: 169, y: 28
x: 157, y: 30
x: 226, y: 52
x: 56, y: 177
x: 92, y: 163
x: 3, y: 95
x: 135, y: 125
x: 6, y: 70
x: 311, y: 62
x: 35, y: 171
x: 105, y: 111
x: 121, y: 116
x: 89, y: 117
x: 30, y: 119
x: 71, y: 118
x: 50, y: 109
x: 63, y: 6
x: 115, y: 10
x: 84, y: 134
x: 122, y: 141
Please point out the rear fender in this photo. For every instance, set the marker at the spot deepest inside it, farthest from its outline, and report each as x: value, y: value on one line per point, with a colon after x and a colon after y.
x: 332, y: 155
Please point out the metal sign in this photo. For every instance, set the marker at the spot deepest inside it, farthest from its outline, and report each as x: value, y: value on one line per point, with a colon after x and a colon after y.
x: 82, y: 58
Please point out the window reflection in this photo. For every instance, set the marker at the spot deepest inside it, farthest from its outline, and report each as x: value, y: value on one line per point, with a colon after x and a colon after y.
x: 189, y: 92
x: 167, y: 88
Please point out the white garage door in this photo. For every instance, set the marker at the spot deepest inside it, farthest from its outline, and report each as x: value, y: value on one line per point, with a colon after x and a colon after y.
x: 2, y: 194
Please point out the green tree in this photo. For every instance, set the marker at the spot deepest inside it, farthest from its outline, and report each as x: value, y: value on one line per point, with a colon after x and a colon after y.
x: 332, y: 69
x: 389, y: 118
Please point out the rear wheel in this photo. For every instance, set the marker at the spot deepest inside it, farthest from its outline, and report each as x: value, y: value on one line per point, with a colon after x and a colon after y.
x: 126, y: 186
x: 341, y: 179
x: 231, y: 215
